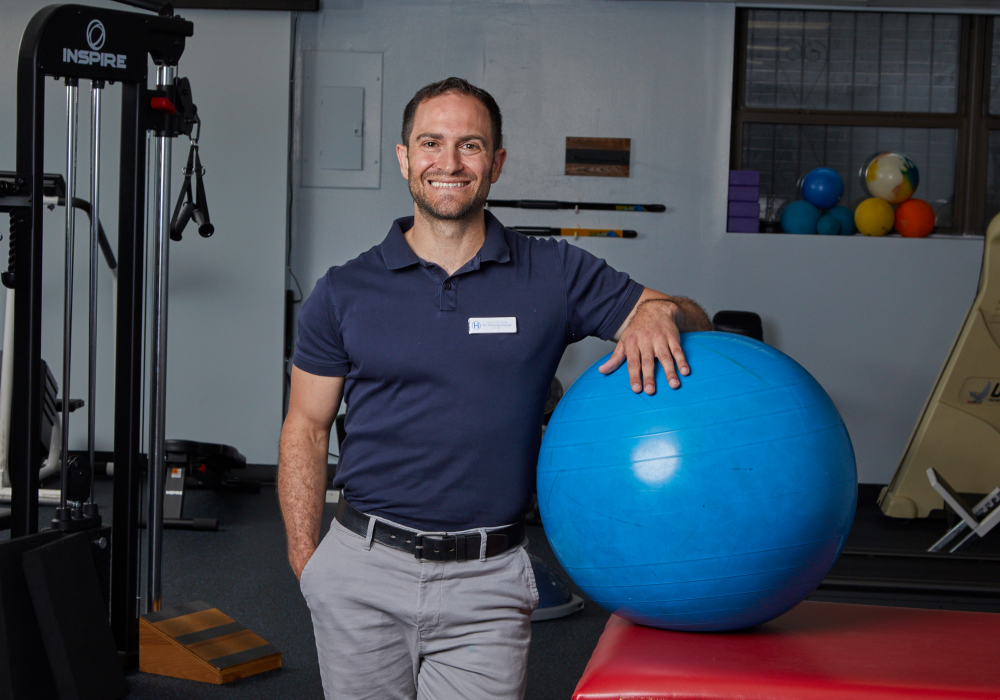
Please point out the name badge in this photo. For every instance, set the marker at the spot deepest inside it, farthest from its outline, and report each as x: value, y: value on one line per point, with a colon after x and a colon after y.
x: 500, y: 324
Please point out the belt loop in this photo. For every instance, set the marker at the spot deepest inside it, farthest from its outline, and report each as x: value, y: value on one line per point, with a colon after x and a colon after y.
x: 482, y: 544
x: 371, y: 533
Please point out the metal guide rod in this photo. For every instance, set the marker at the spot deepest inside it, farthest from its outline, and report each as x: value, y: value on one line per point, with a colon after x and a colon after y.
x: 72, y: 97
x: 96, y: 88
x: 158, y: 390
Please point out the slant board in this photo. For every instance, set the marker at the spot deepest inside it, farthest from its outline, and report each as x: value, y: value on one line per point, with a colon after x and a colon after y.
x: 198, y: 642
x: 959, y: 429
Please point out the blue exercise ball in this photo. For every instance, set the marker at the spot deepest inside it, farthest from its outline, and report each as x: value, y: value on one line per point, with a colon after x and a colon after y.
x: 822, y: 187
x: 799, y: 217
x: 846, y: 218
x: 716, y: 506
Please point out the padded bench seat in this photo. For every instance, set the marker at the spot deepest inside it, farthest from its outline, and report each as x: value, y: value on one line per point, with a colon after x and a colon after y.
x: 816, y: 651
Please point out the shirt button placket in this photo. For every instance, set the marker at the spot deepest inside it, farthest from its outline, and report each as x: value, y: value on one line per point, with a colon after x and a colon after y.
x: 449, y: 297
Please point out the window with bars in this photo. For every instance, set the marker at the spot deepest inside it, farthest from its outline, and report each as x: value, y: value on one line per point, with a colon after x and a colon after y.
x: 833, y: 88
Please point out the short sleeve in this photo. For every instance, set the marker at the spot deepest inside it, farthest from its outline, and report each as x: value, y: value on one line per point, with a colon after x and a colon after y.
x: 599, y: 298
x: 319, y: 348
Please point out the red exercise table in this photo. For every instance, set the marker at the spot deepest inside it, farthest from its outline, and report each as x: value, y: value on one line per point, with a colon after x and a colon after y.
x: 816, y: 651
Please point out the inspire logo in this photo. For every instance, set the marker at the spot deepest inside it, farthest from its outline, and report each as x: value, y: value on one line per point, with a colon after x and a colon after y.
x: 96, y: 36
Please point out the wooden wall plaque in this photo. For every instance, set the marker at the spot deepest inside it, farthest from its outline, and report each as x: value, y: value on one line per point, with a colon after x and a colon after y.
x: 597, y: 157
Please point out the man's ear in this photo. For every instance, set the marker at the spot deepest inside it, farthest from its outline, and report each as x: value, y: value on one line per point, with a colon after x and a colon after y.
x: 404, y: 160
x: 499, y: 156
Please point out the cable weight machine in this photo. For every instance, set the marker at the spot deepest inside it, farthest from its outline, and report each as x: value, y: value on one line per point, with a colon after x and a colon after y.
x: 106, y: 47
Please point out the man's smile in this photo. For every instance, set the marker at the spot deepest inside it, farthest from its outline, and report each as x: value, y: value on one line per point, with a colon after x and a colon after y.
x: 448, y: 185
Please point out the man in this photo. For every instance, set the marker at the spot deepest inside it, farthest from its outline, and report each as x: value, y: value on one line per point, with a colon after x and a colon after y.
x: 444, y: 339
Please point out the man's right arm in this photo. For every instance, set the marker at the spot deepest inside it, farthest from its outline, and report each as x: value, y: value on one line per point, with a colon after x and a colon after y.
x: 313, y: 404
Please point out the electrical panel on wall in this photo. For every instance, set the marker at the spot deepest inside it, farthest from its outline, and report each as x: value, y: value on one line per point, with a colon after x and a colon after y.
x: 341, y: 119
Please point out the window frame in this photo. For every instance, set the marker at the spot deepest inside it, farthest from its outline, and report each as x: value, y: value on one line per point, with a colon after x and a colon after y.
x: 971, y: 122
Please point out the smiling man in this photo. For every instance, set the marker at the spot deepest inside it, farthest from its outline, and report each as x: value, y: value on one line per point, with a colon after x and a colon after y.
x: 443, y: 340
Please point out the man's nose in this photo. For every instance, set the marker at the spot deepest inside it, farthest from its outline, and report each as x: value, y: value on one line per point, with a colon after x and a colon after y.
x: 450, y: 160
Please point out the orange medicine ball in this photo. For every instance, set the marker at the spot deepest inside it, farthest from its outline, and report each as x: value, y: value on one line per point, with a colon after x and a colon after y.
x: 914, y: 218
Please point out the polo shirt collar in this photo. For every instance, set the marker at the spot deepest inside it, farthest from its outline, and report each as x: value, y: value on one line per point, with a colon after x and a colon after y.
x: 398, y: 254
x: 495, y: 248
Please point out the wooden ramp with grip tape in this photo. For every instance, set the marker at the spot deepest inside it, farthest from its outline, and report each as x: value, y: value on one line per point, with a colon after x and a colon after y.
x: 958, y: 433
x: 198, y: 642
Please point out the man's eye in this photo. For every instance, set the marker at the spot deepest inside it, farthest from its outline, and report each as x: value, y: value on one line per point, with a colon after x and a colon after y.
x: 430, y: 144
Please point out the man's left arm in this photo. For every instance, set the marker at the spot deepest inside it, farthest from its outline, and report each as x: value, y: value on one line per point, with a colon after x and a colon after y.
x: 652, y: 331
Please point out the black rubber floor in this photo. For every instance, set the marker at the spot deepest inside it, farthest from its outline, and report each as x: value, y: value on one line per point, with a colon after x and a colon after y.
x: 241, y: 570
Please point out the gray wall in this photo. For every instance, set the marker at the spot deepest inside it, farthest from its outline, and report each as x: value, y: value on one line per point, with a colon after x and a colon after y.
x: 872, y: 319
x: 226, y: 293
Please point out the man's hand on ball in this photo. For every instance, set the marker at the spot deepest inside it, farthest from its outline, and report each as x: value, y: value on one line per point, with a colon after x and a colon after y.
x: 651, y: 334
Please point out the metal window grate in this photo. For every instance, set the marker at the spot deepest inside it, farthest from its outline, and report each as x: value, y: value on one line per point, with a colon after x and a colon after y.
x: 852, y: 61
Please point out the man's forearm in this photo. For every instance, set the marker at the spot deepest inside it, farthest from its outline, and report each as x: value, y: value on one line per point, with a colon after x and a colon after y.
x: 691, y: 317
x: 302, y: 490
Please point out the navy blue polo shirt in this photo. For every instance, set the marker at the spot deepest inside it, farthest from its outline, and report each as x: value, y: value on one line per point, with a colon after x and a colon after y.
x: 444, y: 424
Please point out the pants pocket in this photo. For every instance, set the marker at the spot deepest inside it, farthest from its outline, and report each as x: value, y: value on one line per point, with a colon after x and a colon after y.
x: 529, y: 577
x: 309, y: 566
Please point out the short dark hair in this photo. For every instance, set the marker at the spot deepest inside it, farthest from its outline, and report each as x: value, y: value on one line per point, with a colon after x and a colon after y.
x: 463, y: 87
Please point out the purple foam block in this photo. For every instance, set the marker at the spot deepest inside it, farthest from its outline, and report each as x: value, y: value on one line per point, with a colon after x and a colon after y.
x: 744, y: 193
x: 743, y: 224
x: 744, y: 177
x: 744, y: 209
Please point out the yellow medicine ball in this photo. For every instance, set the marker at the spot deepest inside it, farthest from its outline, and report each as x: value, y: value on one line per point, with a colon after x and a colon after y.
x: 874, y: 217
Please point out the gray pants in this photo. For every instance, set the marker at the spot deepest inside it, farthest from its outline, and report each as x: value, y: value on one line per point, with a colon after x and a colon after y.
x: 388, y: 625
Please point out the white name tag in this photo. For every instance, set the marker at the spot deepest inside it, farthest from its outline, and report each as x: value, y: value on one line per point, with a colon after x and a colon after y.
x: 500, y: 324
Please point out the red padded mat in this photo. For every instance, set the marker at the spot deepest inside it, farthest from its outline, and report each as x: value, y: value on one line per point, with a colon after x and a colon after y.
x: 816, y: 651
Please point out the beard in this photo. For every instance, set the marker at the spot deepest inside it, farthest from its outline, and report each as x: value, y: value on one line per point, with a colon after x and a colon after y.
x: 456, y: 211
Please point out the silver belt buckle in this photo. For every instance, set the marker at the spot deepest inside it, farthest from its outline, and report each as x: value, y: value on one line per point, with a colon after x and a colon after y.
x: 458, y: 542
x: 418, y: 544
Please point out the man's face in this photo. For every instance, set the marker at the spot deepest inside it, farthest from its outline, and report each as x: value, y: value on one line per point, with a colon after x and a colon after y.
x: 450, y: 162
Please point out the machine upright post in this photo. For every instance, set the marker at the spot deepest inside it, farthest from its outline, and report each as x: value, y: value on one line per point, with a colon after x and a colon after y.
x: 158, y: 394
x: 72, y: 125
x: 129, y: 361
x: 96, y: 89
x: 26, y: 245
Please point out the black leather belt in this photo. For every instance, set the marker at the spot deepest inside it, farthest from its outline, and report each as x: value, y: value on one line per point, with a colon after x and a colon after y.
x: 443, y: 547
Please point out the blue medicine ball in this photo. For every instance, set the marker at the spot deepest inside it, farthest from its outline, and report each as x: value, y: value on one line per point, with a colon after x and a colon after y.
x: 828, y: 225
x: 846, y: 218
x: 799, y: 217
x: 822, y: 187
x: 716, y: 506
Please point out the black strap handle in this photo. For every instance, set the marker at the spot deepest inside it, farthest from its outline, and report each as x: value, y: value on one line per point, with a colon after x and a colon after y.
x: 191, y: 204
